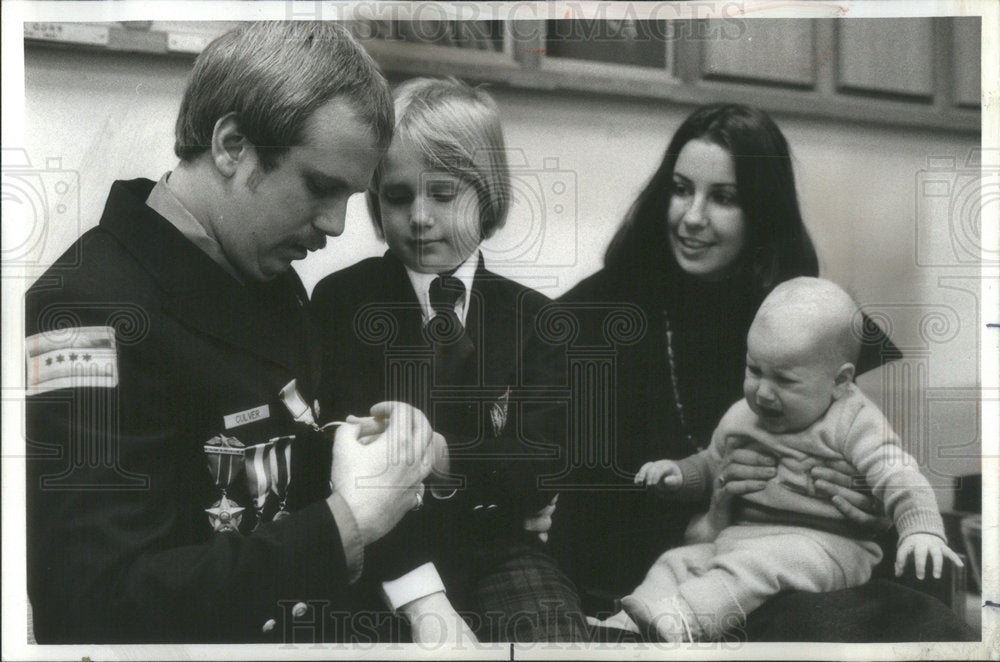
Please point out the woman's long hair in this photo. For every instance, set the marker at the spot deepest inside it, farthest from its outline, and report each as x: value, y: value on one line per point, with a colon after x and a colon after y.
x: 778, y: 245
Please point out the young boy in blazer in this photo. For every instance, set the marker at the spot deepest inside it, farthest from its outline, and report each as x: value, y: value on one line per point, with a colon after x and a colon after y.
x: 428, y: 324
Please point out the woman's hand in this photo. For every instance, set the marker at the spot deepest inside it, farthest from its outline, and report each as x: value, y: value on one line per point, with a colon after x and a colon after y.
x: 744, y: 469
x: 707, y: 526
x: 848, y: 492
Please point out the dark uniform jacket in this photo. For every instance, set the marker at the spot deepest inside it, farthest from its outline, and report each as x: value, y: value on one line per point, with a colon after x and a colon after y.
x: 120, y: 548
x: 375, y: 349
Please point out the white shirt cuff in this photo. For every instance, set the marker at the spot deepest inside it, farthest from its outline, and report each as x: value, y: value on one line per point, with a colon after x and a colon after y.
x: 417, y: 583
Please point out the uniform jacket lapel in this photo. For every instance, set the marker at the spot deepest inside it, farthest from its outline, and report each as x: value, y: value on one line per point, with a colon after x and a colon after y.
x: 203, y: 296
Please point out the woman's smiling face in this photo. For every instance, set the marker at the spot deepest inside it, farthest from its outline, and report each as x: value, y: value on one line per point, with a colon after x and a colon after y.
x: 706, y: 228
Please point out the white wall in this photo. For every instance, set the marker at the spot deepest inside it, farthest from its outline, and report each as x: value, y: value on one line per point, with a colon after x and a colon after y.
x: 110, y: 116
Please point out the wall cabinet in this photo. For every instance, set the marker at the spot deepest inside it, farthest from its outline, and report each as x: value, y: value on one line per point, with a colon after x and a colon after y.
x: 916, y: 72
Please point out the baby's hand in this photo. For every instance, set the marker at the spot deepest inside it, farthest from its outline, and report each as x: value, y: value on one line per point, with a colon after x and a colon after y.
x: 664, y: 475
x: 920, y: 545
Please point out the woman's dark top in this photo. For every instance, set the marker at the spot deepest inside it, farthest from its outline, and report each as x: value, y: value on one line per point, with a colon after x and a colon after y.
x: 611, y: 533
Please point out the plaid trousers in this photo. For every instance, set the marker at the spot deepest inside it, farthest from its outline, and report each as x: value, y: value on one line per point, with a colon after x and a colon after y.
x: 518, y: 593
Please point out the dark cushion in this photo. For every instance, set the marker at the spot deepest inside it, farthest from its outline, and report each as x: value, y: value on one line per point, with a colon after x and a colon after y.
x: 881, y: 611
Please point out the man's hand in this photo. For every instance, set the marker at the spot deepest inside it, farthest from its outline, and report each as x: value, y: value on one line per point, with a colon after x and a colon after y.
x: 541, y: 521
x: 441, y: 460
x: 922, y: 545
x: 369, y: 427
x: 663, y: 475
x: 379, y: 464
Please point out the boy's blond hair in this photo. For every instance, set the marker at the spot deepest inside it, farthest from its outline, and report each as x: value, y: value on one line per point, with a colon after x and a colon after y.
x: 456, y: 129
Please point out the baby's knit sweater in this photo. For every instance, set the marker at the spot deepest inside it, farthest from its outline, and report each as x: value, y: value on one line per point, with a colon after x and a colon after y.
x: 852, y: 429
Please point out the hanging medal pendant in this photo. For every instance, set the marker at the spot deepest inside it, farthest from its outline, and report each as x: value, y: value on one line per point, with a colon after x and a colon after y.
x: 258, y: 518
x: 282, y: 511
x: 224, y: 456
x: 225, y: 515
x: 281, y: 470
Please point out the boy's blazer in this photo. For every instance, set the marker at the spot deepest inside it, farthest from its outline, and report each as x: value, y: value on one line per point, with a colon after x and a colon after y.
x: 374, y: 349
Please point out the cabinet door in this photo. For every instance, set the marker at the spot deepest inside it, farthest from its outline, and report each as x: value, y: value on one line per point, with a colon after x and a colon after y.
x: 778, y: 51
x: 965, y: 36
x: 886, y: 56
x: 627, y: 41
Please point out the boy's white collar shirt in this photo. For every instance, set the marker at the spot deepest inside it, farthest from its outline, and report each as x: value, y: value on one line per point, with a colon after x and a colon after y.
x: 421, y: 283
x: 425, y: 580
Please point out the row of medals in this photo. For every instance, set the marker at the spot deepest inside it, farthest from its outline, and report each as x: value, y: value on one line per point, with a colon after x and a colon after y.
x: 228, y: 458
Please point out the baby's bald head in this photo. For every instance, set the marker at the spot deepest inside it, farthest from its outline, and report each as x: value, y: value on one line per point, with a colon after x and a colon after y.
x: 801, y: 352
x: 814, y: 309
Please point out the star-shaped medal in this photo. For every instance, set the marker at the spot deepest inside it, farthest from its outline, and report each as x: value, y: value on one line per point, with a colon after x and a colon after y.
x: 225, y: 515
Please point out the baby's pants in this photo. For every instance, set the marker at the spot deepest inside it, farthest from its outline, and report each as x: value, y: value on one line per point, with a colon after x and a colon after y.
x: 717, y: 584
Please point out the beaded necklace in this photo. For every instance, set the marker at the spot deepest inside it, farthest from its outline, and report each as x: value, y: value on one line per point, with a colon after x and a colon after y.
x: 678, y: 405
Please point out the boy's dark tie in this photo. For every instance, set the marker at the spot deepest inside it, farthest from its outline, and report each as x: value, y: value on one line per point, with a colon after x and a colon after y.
x: 453, y: 349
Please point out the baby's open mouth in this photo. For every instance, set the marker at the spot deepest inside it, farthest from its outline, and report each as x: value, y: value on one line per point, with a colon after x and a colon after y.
x: 768, y: 413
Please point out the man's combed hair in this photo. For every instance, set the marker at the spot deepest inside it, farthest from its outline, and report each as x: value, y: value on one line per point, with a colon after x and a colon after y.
x: 456, y: 129
x: 274, y: 76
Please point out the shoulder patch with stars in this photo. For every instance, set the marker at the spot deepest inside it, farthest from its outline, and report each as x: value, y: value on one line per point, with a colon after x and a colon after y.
x: 75, y: 357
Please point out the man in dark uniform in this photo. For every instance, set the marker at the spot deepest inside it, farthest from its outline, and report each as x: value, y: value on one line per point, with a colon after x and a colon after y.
x: 179, y: 488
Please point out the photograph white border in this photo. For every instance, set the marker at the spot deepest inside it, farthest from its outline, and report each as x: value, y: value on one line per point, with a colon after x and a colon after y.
x: 13, y: 134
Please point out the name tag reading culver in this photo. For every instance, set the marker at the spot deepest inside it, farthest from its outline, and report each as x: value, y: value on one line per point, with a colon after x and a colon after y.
x: 248, y: 416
